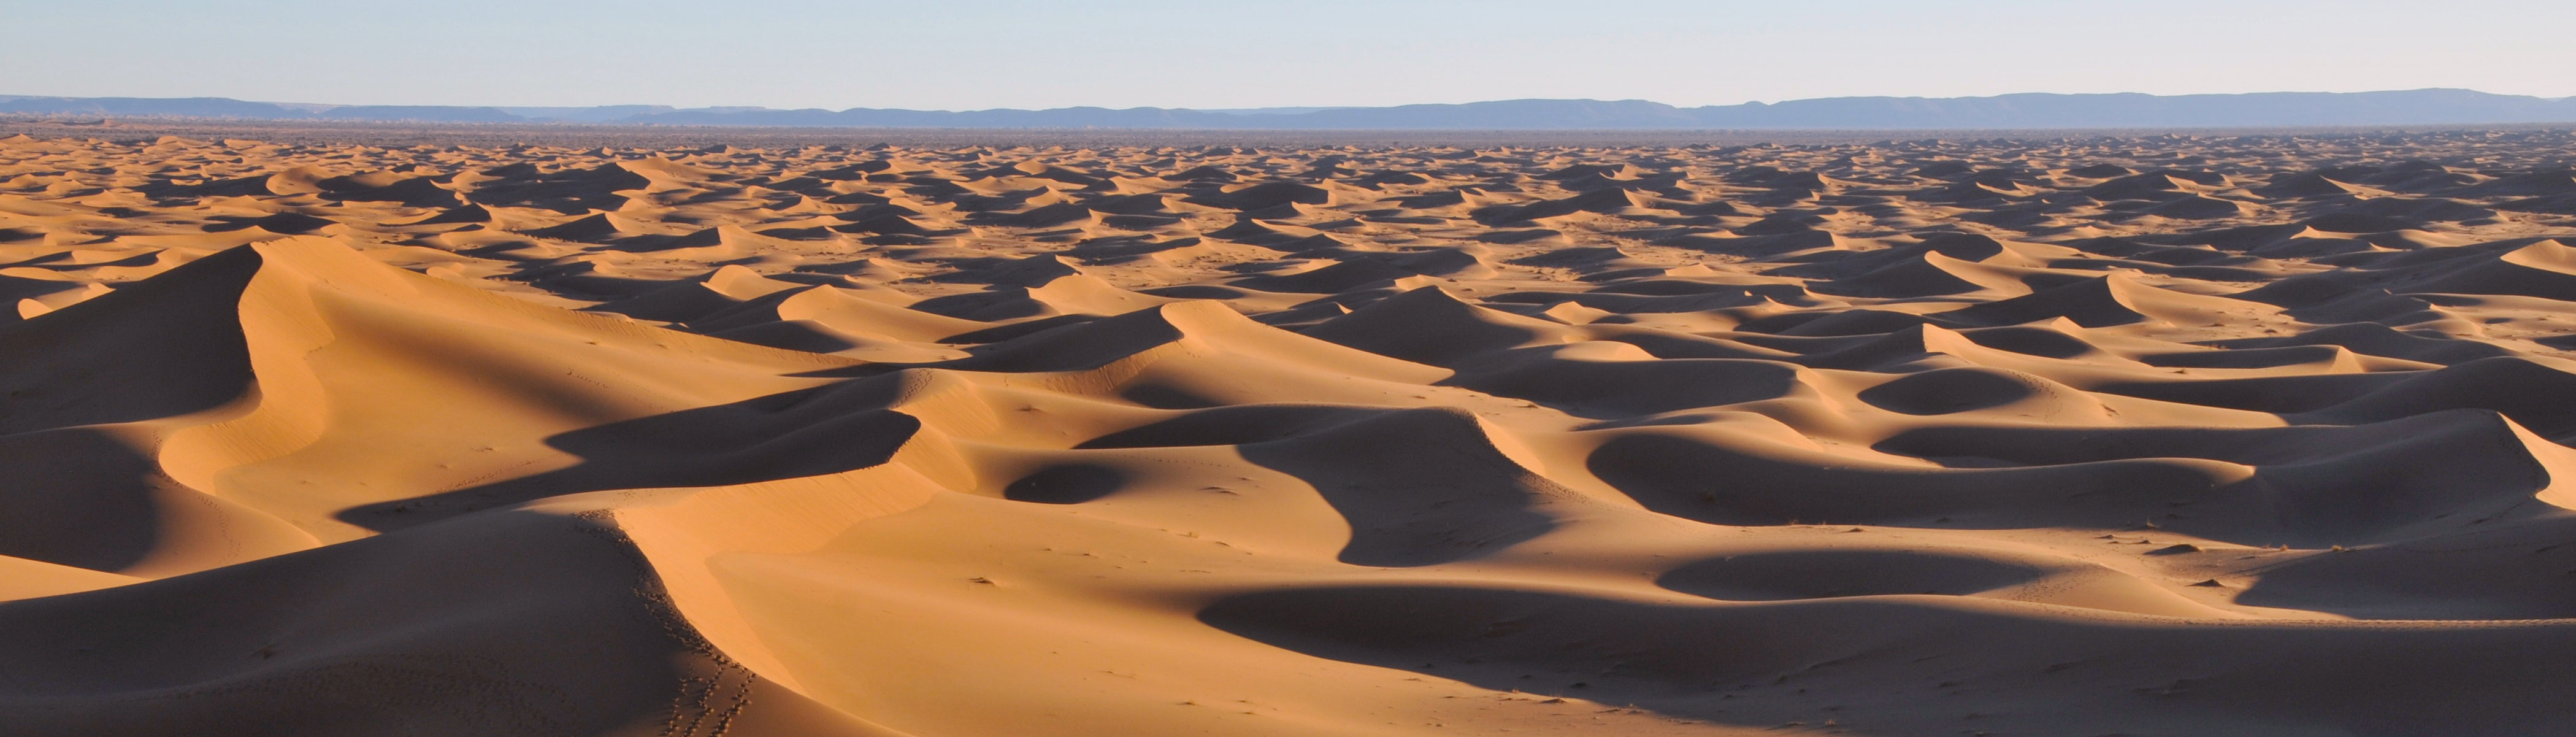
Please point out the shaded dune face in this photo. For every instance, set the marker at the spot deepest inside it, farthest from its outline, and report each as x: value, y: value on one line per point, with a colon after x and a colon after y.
x: 1944, y: 391
x: 2170, y: 435
x: 1836, y: 573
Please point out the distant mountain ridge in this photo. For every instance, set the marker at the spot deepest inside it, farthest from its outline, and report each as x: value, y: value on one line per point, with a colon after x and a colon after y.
x: 2016, y: 111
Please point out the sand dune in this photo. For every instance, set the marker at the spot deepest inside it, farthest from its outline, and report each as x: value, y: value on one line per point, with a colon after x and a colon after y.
x: 2156, y: 436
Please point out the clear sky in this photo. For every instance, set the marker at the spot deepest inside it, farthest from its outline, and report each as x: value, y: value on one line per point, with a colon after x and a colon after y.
x: 971, y: 54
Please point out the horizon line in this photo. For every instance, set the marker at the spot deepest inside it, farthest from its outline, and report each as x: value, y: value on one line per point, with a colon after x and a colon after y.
x: 1259, y: 109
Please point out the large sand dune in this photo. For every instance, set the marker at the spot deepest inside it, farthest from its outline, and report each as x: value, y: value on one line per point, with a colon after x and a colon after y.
x: 2152, y: 436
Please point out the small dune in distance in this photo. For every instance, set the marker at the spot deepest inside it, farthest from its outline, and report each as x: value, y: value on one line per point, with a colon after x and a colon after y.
x: 2038, y: 435
x: 2437, y: 106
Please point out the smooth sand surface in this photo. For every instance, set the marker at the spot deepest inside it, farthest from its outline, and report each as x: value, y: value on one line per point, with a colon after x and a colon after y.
x: 2138, y: 436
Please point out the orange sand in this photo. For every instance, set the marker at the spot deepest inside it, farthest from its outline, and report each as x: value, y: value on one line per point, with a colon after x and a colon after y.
x: 2169, y: 436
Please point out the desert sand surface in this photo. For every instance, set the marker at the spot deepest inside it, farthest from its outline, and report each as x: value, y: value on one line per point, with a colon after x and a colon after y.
x: 2136, y: 435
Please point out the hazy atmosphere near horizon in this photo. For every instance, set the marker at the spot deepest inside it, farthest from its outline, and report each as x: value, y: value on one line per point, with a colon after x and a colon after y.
x: 1222, y: 55
x: 1391, y: 369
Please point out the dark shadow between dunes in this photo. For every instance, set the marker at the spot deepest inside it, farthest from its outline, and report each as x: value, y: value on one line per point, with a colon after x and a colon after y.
x: 1881, y: 658
x: 810, y: 432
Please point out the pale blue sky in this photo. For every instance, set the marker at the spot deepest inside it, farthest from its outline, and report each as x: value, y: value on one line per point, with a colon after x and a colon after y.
x: 965, y: 54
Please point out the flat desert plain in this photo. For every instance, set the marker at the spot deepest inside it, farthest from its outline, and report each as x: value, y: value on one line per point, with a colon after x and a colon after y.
x: 2162, y: 435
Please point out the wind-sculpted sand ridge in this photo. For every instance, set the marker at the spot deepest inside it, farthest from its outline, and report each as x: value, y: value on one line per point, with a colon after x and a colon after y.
x: 2183, y: 436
